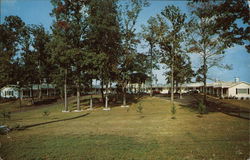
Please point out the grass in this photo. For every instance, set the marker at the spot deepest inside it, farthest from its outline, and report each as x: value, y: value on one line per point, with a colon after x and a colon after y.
x: 127, y: 134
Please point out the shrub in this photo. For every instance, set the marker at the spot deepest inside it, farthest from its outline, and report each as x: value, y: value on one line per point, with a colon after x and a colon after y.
x: 6, y: 115
x: 202, y: 108
x: 139, y: 108
x: 4, y: 130
x: 46, y: 113
x: 173, y: 111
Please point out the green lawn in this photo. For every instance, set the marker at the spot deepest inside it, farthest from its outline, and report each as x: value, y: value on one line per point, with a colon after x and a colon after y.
x: 126, y: 134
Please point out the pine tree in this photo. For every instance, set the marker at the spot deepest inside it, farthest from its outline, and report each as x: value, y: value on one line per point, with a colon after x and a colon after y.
x: 10, y: 41
x: 129, y: 13
x: 103, y: 39
x: 206, y: 41
x: 171, y: 35
x: 149, y: 33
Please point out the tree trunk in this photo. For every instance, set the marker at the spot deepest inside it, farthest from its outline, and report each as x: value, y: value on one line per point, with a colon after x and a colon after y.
x: 54, y: 91
x: 180, y: 92
x: 20, y: 98
x: 47, y: 90
x: 78, y: 96
x: 32, y: 95
x: 103, y: 99
x: 65, y: 91
x: 91, y: 97
x: 172, y: 80
x: 106, y: 97
x: 151, y: 71
x: 124, y: 95
x: 205, y: 82
x: 176, y: 87
x: 91, y: 102
x: 40, y: 91
x: 139, y: 88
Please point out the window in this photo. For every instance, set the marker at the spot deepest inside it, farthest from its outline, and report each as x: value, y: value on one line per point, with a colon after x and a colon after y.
x: 8, y: 93
x: 242, y: 91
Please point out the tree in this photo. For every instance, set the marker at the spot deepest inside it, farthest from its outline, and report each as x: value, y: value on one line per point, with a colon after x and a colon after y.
x: 231, y: 20
x: 205, y: 40
x: 58, y: 48
x: 29, y: 65
x: 128, y: 16
x: 67, y: 43
x: 171, y: 23
x: 149, y: 33
x: 183, y: 71
x: 41, y: 56
x: 104, y: 39
x: 10, y: 40
x: 76, y: 12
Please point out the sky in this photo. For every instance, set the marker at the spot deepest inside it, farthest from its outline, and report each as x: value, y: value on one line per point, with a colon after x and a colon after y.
x: 37, y: 12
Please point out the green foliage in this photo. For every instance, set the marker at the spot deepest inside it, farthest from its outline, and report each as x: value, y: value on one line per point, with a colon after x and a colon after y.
x: 6, y: 114
x: 171, y: 35
x: 227, y: 14
x: 202, y: 108
x: 205, y: 39
x: 139, y: 108
x: 183, y: 71
x: 46, y: 113
x: 130, y: 61
x: 16, y: 126
x: 11, y: 31
x: 173, y: 111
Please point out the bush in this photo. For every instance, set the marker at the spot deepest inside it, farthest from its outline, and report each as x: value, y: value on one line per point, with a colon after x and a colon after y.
x: 4, y: 130
x: 139, y: 108
x: 6, y: 115
x: 173, y: 111
x: 202, y: 108
x: 46, y: 113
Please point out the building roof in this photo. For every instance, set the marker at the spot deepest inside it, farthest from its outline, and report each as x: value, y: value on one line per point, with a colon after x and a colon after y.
x: 226, y: 84
x: 34, y: 86
x: 219, y: 84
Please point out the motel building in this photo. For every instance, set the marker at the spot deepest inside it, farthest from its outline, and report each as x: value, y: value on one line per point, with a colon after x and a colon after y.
x: 236, y: 89
x: 14, y: 91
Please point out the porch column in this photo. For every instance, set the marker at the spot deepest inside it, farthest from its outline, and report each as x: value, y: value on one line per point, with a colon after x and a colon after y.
x: 21, y: 95
x: 221, y: 92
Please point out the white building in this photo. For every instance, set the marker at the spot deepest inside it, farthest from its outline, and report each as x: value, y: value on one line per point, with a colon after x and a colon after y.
x: 236, y: 89
x: 229, y: 89
x: 13, y: 91
x: 10, y: 91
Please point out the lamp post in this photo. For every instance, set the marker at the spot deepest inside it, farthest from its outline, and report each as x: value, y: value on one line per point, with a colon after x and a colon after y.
x: 19, y: 94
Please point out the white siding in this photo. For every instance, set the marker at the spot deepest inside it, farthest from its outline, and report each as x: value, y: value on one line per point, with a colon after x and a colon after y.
x: 165, y: 90
x: 9, y: 89
x: 232, y: 90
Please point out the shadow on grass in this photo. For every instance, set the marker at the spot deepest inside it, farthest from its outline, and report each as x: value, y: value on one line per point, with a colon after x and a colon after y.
x: 39, y: 124
x: 191, y: 102
x: 218, y: 106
